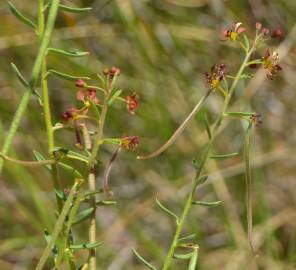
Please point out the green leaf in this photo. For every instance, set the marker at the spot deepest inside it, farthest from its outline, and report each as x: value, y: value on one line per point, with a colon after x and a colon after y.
x: 60, y: 194
x: 87, y: 245
x: 186, y: 238
x: 74, y: 9
x: 207, y: 126
x: 20, y: 76
x: 224, y: 156
x: 105, y: 203
x: 167, y: 211
x: 66, y: 76
x: 150, y: 266
x: 113, y: 141
x: 246, y: 42
x: 239, y: 114
x: 95, y: 108
x: 67, y: 53
x: 257, y: 61
x: 206, y: 203
x: 20, y: 16
x: 91, y: 193
x: 39, y: 157
x: 74, y: 155
x: 83, y: 215
x: 202, y: 179
x: 70, y: 169
x: 183, y: 256
x: 115, y: 95
x: 48, y: 238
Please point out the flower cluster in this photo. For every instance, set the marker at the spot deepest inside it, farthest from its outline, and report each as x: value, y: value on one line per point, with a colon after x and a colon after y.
x: 132, y: 102
x: 216, y: 76
x: 256, y: 119
x: 266, y: 33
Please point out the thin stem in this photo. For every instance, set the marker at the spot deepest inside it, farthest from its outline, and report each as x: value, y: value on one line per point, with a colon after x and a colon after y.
x: 215, y: 131
x: 33, y: 78
x: 248, y: 187
x: 180, y: 128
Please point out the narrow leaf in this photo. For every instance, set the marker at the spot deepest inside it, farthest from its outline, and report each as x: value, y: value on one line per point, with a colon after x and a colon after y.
x: 86, y: 245
x: 150, y: 266
x: 105, y: 203
x: 66, y: 76
x: 186, y: 238
x: 206, y: 123
x: 167, y: 211
x: 239, y: 114
x: 91, y: 193
x: 95, y: 109
x: 83, y: 215
x: 60, y: 194
x: 67, y: 53
x: 74, y: 9
x: 224, y: 156
x: 20, y: 16
x: 39, y: 157
x: 183, y: 256
x: 202, y: 179
x: 74, y: 155
x: 113, y: 141
x: 20, y: 76
x: 246, y: 42
x: 115, y: 95
x: 70, y: 169
x: 206, y: 203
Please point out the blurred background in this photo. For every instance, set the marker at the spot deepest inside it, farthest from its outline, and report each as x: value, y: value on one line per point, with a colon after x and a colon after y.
x: 163, y: 49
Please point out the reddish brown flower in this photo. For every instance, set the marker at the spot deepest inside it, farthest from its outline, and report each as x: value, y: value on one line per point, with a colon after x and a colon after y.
x: 258, y: 25
x: 234, y: 32
x: 85, y: 94
x: 69, y: 114
x: 130, y: 142
x: 270, y: 64
x: 276, y: 33
x: 132, y: 102
x: 216, y: 75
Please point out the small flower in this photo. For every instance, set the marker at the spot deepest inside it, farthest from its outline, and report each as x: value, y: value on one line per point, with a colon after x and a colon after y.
x: 216, y: 76
x: 130, y: 142
x: 69, y: 115
x: 270, y: 63
x: 256, y: 119
x: 80, y: 83
x: 233, y: 33
x: 265, y: 31
x: 276, y: 33
x: 132, y: 102
x: 85, y: 94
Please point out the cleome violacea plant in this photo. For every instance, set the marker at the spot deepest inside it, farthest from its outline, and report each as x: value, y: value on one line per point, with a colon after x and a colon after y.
x: 219, y: 80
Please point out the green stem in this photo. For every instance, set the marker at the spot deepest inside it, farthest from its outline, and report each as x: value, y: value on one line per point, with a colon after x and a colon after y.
x: 215, y: 131
x: 33, y: 78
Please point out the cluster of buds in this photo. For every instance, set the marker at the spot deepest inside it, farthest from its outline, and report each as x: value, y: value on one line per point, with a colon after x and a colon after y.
x: 234, y: 32
x: 270, y: 64
x: 129, y: 142
x: 256, y: 119
x: 111, y: 73
x: 266, y: 33
x: 216, y: 76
